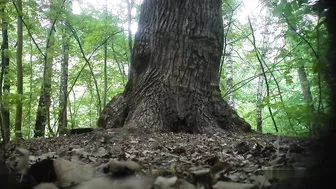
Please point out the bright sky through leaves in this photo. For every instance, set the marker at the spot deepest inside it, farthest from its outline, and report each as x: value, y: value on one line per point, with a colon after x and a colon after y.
x: 250, y: 7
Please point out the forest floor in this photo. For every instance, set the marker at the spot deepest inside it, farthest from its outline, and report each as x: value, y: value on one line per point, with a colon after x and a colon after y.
x: 247, y: 159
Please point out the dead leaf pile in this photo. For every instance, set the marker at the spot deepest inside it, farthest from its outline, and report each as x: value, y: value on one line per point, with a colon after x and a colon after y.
x: 189, y: 160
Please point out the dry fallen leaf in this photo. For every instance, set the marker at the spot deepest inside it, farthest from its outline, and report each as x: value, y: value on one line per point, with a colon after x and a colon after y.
x: 164, y: 182
x: 46, y: 186
x: 69, y: 173
x: 260, y: 181
x: 107, y: 183
x: 187, y: 152
x: 231, y: 185
x: 23, y: 160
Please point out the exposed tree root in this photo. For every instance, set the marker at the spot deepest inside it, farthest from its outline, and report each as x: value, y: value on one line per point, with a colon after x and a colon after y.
x: 163, y: 111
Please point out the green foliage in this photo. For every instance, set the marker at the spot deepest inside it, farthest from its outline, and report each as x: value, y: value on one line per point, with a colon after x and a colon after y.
x: 289, y: 35
x: 93, y: 27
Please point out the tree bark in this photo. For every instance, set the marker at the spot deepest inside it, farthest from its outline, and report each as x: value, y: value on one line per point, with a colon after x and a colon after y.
x: 31, y: 73
x: 129, y: 24
x: 105, y: 74
x: 44, y: 102
x: 307, y: 96
x: 4, y: 79
x: 259, y: 103
x: 105, y: 61
x: 63, y: 101
x: 260, y: 89
x: 174, y: 83
x: 229, y: 74
x: 18, y: 116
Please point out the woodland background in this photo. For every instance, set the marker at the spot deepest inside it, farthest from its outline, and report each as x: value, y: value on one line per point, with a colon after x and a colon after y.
x: 62, y: 61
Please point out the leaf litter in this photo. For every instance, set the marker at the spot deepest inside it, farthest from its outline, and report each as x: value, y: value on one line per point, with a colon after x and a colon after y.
x: 178, y: 160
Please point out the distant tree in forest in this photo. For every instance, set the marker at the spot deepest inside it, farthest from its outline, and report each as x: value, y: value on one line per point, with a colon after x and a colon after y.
x: 4, y: 77
x: 18, y: 115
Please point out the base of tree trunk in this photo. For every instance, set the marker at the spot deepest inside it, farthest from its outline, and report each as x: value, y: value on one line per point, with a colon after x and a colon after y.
x: 173, y: 81
x: 163, y: 111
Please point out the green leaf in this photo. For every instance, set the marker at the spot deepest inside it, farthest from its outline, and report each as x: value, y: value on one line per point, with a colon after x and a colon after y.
x: 288, y: 10
x: 278, y: 10
x: 289, y: 79
x: 8, y: 53
x: 300, y: 2
x: 275, y: 2
x: 295, y: 5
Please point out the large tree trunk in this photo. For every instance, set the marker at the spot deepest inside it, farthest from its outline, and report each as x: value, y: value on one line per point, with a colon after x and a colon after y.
x: 174, y: 83
x: 4, y: 79
x: 18, y: 116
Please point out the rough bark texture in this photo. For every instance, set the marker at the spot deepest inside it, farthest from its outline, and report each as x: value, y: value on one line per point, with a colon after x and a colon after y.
x: 63, y: 101
x: 5, y: 82
x: 174, y: 83
x: 18, y: 115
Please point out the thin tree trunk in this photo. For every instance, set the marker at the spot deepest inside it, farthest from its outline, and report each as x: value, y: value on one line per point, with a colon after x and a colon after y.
x: 43, y: 108
x: 4, y: 79
x: 105, y: 74
x: 29, y: 121
x: 63, y: 120
x: 259, y: 103
x: 129, y: 24
x: 260, y: 88
x: 174, y: 83
x: 228, y: 76
x: 105, y: 62
x: 72, y: 113
x: 63, y: 99
x: 307, y: 96
x: 42, y: 113
x: 261, y: 61
x: 18, y: 117
x: 44, y: 100
x: 121, y: 66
